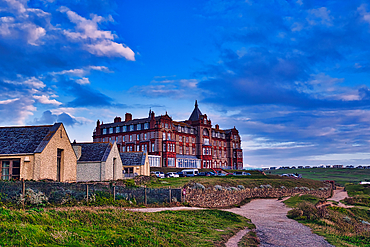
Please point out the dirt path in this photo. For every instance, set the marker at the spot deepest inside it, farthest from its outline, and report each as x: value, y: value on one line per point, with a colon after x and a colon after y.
x: 274, y: 228
x: 338, y: 195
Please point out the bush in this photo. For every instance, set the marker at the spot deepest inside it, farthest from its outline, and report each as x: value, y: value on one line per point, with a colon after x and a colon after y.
x: 295, y: 213
x: 309, y: 210
x: 33, y: 197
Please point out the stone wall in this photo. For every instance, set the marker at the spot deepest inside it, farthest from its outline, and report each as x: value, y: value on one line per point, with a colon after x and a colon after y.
x: 212, y: 198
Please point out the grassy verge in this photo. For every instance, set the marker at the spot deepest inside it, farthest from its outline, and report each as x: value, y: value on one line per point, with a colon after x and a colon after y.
x: 340, y: 226
x: 295, y: 200
x: 250, y: 239
x: 246, y: 181
x: 115, y: 227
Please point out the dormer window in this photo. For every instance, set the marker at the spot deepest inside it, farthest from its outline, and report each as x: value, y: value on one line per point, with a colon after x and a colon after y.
x: 138, y: 126
x: 205, y: 121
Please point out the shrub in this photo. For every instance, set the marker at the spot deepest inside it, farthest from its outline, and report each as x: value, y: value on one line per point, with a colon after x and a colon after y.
x: 309, y: 210
x: 295, y: 213
x: 33, y: 197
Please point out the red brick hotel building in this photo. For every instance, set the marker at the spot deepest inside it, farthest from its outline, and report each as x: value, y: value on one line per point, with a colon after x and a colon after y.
x: 192, y: 143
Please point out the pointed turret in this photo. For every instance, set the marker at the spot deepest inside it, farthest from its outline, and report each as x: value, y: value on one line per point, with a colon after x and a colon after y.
x: 195, y: 115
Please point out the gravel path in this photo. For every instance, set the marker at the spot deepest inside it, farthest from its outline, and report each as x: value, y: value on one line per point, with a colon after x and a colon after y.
x: 337, y: 196
x: 274, y: 228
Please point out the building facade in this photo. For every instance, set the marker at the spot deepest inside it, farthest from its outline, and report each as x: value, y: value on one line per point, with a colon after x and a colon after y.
x: 193, y: 143
x: 37, y: 153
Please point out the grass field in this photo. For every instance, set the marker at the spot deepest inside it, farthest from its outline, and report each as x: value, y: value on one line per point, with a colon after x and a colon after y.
x: 340, y: 176
x: 116, y: 227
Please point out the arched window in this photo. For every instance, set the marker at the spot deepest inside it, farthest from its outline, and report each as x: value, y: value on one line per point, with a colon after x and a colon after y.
x: 205, y: 132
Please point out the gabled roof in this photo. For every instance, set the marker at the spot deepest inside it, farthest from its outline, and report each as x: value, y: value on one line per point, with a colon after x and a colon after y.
x: 94, y: 151
x: 26, y: 139
x: 133, y: 158
x: 195, y: 115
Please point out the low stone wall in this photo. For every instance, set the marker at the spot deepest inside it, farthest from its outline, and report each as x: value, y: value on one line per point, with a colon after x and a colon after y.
x: 212, y: 198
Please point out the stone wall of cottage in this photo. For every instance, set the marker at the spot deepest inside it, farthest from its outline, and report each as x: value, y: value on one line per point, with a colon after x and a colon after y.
x: 107, y: 172
x: 89, y: 171
x: 212, y: 198
x: 46, y: 162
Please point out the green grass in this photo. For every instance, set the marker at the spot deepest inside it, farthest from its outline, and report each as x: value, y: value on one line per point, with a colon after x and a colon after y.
x: 340, y: 176
x: 250, y: 239
x: 115, y: 227
x: 295, y: 200
x: 340, y: 226
x: 246, y: 181
x: 358, y: 189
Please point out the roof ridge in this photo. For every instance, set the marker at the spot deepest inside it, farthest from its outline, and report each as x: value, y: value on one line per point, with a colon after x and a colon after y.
x: 28, y: 126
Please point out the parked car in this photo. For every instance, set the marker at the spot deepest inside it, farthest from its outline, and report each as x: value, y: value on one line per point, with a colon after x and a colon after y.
x: 172, y: 175
x: 241, y: 173
x: 159, y: 174
x: 208, y: 174
x: 190, y: 172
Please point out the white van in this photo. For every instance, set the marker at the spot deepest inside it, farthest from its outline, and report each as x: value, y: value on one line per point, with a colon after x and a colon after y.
x: 190, y: 172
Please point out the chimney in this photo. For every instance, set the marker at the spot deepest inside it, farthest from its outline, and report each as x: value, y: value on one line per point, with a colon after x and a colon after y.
x: 117, y: 120
x: 77, y: 150
x: 97, y: 123
x: 217, y: 127
x: 128, y: 117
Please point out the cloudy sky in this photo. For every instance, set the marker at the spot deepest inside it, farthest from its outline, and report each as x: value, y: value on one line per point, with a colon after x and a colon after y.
x: 292, y: 76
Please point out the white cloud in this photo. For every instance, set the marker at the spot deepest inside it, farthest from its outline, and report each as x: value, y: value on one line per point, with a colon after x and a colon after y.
x: 342, y: 156
x: 43, y: 99
x: 321, y: 14
x: 111, y: 49
x: 8, y: 101
x: 83, y: 81
x: 365, y: 15
x: 33, y: 82
x: 100, y: 42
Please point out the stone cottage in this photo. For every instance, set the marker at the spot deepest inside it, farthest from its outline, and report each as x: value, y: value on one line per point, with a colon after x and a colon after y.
x: 97, y: 162
x: 37, y: 152
x: 135, y: 164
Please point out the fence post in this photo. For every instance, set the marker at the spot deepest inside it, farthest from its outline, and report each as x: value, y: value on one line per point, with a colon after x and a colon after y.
x: 23, y: 192
x: 145, y: 199
x: 170, y: 194
x: 114, y: 192
x: 87, y: 193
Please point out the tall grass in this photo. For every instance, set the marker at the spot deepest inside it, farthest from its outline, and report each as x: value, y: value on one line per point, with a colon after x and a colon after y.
x: 115, y: 227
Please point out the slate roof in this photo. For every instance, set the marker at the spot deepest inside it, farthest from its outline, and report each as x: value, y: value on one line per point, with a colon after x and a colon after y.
x: 94, y: 151
x: 195, y: 115
x: 26, y: 139
x: 133, y: 158
x: 134, y: 121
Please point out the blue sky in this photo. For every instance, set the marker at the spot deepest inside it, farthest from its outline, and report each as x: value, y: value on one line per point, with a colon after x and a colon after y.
x: 292, y: 76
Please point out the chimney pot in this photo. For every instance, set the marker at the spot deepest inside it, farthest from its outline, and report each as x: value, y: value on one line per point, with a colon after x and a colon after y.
x: 128, y: 117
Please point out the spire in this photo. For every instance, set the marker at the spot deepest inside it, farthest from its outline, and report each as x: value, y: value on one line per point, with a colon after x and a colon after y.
x: 150, y: 111
x: 195, y: 115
